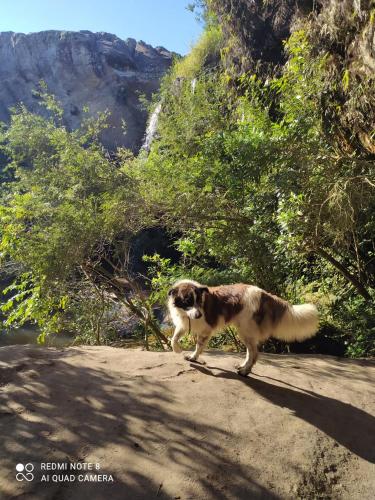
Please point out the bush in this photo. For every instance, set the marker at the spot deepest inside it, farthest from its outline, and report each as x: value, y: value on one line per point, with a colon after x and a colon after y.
x: 265, y: 197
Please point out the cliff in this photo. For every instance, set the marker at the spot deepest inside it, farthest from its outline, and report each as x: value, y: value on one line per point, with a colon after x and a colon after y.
x: 341, y: 30
x: 98, y: 70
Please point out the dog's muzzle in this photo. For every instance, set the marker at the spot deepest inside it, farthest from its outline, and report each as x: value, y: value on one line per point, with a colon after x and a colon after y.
x: 194, y: 313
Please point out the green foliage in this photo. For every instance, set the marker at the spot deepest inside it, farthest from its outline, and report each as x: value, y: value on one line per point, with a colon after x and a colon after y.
x: 348, y: 99
x: 243, y: 173
x: 207, y: 49
x: 67, y: 203
x: 259, y: 193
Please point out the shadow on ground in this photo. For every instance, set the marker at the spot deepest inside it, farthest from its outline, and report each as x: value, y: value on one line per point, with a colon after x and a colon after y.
x: 349, y: 426
x: 57, y: 411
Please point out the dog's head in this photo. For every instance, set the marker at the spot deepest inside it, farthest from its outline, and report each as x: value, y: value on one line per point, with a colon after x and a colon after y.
x: 188, y: 296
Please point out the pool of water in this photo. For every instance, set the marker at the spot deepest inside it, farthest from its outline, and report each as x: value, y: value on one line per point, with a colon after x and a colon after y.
x: 29, y: 335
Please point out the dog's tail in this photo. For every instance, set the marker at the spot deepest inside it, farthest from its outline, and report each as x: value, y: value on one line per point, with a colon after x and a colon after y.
x: 298, y: 323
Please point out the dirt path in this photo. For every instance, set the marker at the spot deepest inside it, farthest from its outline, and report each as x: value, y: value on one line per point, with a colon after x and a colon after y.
x: 160, y: 427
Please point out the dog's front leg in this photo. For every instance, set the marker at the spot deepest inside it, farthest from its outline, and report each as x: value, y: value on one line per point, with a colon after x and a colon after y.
x: 178, y: 333
x: 202, y: 341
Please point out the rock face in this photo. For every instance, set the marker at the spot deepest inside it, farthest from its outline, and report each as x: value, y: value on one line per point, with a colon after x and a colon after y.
x: 341, y: 30
x: 98, y: 70
x: 261, y: 27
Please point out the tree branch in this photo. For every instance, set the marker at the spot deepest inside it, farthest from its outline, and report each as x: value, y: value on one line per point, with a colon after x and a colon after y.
x: 118, y: 290
x: 361, y: 289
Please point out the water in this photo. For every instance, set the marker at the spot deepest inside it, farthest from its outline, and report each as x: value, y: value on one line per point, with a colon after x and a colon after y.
x: 29, y: 335
x: 193, y: 85
x: 153, y: 122
x: 151, y: 128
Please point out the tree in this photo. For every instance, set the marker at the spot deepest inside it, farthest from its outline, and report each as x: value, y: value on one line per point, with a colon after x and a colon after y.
x: 67, y: 219
x: 244, y: 171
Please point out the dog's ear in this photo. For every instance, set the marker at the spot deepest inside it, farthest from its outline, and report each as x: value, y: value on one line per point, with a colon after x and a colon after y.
x: 203, y: 289
x: 172, y: 292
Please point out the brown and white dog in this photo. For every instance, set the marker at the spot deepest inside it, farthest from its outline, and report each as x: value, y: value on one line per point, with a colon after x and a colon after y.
x: 255, y: 313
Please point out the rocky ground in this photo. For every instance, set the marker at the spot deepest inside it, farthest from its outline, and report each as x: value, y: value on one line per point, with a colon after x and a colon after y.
x: 161, y: 427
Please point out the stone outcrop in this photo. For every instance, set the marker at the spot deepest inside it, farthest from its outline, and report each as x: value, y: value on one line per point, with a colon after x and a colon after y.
x: 97, y: 70
x: 260, y: 29
x: 341, y: 30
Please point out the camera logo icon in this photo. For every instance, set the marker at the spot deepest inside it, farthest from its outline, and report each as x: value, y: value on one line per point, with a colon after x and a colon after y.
x: 24, y: 472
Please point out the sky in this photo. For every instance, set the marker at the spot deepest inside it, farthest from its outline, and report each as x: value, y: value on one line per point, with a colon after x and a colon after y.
x: 158, y: 22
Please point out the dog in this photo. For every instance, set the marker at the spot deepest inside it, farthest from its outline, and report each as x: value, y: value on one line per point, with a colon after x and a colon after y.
x: 256, y: 314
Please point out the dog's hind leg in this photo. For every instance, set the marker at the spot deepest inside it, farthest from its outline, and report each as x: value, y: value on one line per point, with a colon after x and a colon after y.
x: 202, y: 341
x: 251, y: 343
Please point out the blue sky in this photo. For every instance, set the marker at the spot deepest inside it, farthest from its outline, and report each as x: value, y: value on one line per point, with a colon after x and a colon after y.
x: 157, y: 22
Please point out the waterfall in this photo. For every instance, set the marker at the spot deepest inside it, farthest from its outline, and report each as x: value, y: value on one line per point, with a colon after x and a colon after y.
x: 193, y: 85
x: 151, y: 128
x: 153, y: 121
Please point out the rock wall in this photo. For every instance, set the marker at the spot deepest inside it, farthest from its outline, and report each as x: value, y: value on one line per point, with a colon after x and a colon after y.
x: 98, y: 70
x: 342, y: 30
x: 260, y: 27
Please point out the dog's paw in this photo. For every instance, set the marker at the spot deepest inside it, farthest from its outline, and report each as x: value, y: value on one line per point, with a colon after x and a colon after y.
x: 176, y: 348
x: 190, y: 357
x: 243, y: 371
